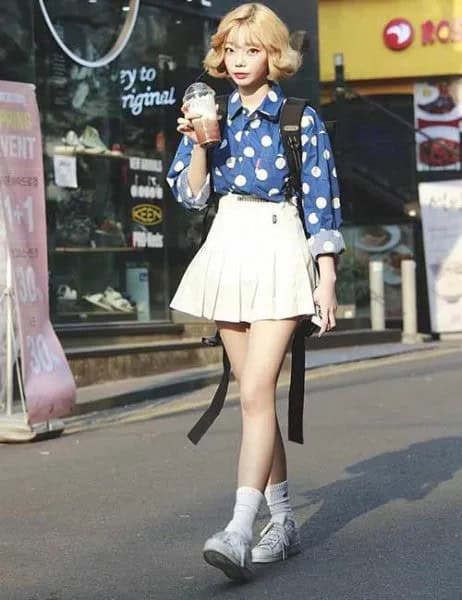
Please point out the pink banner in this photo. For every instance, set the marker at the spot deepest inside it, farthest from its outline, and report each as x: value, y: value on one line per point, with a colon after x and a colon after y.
x: 48, y: 382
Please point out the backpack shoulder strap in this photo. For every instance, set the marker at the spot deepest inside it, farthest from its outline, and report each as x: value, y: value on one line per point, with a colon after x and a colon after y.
x: 222, y: 103
x: 290, y: 126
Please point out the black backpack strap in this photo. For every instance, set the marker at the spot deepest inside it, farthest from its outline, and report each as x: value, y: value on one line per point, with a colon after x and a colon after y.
x: 290, y: 128
x: 222, y: 103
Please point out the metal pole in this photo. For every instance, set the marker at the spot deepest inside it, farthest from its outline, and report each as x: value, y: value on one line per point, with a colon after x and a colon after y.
x: 377, y: 294
x: 409, y: 301
x: 9, y: 336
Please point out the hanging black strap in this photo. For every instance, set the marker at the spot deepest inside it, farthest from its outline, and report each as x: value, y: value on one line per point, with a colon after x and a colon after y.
x: 212, y: 412
x: 297, y: 381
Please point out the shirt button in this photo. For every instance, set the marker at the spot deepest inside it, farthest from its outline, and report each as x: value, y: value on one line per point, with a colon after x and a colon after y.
x: 246, y: 133
x: 240, y: 159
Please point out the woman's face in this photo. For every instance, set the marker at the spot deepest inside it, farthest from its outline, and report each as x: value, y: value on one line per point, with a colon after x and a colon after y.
x: 245, y: 59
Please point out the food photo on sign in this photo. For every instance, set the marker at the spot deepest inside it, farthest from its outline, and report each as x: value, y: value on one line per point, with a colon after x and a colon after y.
x: 438, y: 116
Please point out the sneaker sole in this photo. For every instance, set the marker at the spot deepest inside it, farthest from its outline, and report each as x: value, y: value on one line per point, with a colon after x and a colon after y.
x: 222, y: 561
x: 277, y: 557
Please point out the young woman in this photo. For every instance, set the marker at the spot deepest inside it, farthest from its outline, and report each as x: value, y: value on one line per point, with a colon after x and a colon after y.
x: 254, y: 273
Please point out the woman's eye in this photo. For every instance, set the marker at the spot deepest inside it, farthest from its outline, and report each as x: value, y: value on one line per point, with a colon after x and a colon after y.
x: 253, y: 50
x: 228, y: 50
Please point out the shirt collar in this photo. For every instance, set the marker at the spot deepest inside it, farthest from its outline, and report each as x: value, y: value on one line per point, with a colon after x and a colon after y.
x: 270, y: 106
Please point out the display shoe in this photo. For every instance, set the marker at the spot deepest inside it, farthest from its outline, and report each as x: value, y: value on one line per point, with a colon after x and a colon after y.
x: 92, y: 141
x: 66, y: 293
x: 278, y: 542
x: 230, y: 552
x: 116, y: 301
x: 98, y: 300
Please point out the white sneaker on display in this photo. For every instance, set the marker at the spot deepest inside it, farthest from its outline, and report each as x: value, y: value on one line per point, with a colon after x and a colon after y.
x: 278, y: 542
x: 92, y: 141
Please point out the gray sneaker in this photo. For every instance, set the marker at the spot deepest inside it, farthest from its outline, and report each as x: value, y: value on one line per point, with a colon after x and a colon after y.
x: 278, y: 542
x: 230, y: 552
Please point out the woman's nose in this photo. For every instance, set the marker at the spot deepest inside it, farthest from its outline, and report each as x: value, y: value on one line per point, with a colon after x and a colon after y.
x: 239, y: 59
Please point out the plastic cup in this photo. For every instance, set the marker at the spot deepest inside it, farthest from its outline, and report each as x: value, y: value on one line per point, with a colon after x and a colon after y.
x: 200, y: 100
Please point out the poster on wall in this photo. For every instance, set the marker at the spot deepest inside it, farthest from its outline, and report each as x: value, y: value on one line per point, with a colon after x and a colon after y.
x: 441, y: 210
x: 48, y: 383
x: 146, y: 188
x: 438, y: 115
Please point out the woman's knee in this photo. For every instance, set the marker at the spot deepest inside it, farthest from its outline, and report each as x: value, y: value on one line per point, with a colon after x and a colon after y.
x: 257, y: 396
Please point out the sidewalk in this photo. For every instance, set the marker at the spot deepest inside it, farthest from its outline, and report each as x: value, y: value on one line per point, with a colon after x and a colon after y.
x: 162, y: 387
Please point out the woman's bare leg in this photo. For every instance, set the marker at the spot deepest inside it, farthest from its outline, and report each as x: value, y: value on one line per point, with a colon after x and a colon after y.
x: 267, y: 346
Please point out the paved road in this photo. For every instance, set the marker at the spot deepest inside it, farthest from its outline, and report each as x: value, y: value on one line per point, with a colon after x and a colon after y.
x: 121, y: 512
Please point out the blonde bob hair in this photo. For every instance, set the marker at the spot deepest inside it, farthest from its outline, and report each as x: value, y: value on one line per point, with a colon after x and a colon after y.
x: 264, y: 27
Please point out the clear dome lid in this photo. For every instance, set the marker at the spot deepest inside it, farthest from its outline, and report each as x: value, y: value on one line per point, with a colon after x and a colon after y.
x: 199, y: 88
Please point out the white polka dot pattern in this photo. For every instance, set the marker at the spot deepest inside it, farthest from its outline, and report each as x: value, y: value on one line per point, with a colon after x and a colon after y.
x: 307, y: 120
x: 316, y: 172
x: 261, y: 174
x: 250, y: 159
x: 313, y: 218
x: 280, y: 162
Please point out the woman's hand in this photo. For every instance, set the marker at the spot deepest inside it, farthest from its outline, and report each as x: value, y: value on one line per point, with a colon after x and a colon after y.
x: 185, y: 125
x: 324, y: 295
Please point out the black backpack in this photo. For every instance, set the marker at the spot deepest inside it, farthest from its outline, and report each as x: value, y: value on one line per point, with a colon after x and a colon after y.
x: 290, y: 126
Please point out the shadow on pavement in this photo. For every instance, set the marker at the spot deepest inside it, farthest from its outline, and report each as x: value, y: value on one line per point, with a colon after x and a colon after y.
x: 408, y: 474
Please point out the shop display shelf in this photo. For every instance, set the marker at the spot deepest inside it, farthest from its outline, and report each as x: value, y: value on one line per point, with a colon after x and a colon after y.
x: 71, y: 152
x: 78, y: 250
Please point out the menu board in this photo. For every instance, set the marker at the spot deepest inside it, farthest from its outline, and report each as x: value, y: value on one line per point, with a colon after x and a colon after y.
x: 441, y: 210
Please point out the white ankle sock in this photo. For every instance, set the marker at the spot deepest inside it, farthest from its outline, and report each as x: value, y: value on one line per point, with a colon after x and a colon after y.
x: 277, y: 497
x: 248, y: 502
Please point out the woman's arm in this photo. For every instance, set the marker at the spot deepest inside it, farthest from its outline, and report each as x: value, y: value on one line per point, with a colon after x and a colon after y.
x: 322, y: 212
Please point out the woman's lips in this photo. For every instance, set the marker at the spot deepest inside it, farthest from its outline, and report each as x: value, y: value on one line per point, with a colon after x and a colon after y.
x: 240, y: 75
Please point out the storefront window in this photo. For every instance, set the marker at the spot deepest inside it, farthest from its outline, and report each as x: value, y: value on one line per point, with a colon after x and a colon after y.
x: 109, y: 134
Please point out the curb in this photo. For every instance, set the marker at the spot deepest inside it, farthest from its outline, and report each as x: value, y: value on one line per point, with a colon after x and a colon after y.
x: 175, y: 384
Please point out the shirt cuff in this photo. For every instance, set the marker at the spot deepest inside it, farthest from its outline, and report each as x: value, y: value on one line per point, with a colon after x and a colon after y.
x: 326, y: 241
x: 185, y: 194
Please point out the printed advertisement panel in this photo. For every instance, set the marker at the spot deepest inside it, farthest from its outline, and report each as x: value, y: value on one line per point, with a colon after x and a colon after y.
x: 438, y: 115
x: 441, y: 209
x: 48, y: 382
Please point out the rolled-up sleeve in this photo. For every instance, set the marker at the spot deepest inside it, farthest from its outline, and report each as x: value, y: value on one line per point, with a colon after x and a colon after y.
x: 321, y: 201
x: 177, y: 178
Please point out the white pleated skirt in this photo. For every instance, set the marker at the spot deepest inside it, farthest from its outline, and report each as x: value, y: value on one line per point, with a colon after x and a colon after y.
x: 254, y: 265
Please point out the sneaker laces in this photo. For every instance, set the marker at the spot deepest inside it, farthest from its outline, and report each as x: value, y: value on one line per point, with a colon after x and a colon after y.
x: 272, y: 535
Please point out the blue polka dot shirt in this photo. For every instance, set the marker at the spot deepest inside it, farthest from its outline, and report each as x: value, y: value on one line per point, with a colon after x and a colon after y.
x: 251, y: 160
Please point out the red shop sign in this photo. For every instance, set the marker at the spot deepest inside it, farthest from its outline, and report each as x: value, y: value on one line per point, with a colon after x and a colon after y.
x: 398, y: 33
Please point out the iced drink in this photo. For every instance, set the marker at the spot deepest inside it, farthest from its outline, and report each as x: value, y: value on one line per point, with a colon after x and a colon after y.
x: 200, y: 100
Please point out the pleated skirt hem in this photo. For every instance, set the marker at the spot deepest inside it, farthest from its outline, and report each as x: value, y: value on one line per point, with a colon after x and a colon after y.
x: 254, y: 265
